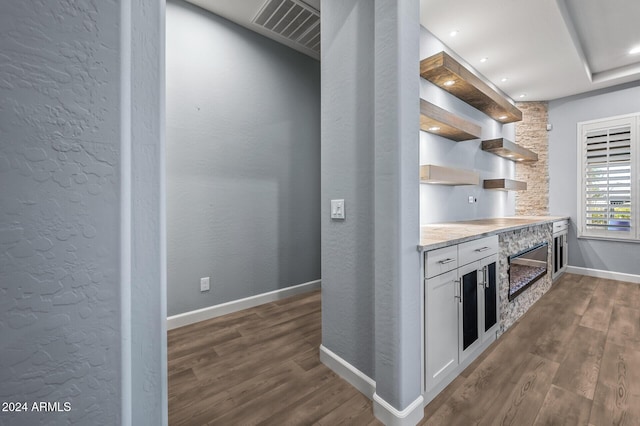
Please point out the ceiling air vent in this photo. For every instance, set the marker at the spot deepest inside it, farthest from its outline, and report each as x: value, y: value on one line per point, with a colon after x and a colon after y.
x: 293, y: 20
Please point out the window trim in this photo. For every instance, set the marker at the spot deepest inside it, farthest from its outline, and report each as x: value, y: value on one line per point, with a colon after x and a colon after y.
x: 607, y: 122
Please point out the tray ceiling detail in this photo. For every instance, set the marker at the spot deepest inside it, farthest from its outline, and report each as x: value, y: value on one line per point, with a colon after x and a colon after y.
x: 541, y: 50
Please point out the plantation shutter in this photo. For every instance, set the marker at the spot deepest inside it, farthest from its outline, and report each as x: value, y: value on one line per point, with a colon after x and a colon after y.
x: 608, y: 189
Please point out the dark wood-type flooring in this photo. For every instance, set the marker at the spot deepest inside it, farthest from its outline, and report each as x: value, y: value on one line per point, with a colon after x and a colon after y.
x: 572, y: 359
x: 259, y: 366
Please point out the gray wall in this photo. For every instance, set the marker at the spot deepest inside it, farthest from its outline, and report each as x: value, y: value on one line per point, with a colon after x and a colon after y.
x: 76, y: 253
x: 348, y: 172
x: 59, y: 186
x: 440, y: 203
x: 243, y: 161
x: 143, y: 214
x: 370, y: 265
x: 397, y: 205
x: 564, y: 114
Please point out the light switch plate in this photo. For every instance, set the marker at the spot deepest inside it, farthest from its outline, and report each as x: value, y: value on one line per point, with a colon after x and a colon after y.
x: 337, y: 210
x: 204, y: 284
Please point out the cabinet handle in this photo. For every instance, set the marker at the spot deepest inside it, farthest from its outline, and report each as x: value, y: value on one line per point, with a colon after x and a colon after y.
x: 445, y: 261
x: 481, y: 249
x: 484, y: 276
x: 459, y: 297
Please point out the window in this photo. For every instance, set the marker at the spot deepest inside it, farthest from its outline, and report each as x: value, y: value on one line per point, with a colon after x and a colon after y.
x: 608, y: 164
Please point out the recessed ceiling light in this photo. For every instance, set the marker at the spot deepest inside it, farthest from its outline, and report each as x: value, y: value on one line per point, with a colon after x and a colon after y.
x: 524, y: 95
x: 502, y: 117
x: 484, y: 59
x: 509, y: 155
x: 520, y: 159
x: 449, y: 83
x: 454, y: 33
x: 504, y: 79
x: 434, y: 129
x: 635, y: 50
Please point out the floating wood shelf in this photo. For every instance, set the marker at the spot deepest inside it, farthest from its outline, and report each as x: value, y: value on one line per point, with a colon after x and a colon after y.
x: 505, y: 184
x: 440, y: 175
x: 438, y: 121
x: 509, y: 150
x: 441, y: 69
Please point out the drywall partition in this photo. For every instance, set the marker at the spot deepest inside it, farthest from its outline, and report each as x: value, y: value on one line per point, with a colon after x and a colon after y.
x: 347, y: 163
x: 564, y: 114
x: 370, y: 265
x: 243, y: 161
x: 77, y: 256
x: 440, y: 203
x: 398, y: 398
x: 143, y: 213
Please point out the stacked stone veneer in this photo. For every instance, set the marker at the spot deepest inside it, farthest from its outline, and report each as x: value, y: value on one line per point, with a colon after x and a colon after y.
x: 531, y: 133
x: 511, y: 243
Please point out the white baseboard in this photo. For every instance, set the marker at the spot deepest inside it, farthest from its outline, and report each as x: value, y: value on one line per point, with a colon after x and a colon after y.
x: 599, y: 273
x: 384, y: 411
x: 356, y: 378
x: 390, y: 416
x: 191, y: 317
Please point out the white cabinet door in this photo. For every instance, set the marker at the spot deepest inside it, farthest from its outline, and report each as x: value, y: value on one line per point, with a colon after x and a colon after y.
x: 560, y: 253
x: 441, y: 327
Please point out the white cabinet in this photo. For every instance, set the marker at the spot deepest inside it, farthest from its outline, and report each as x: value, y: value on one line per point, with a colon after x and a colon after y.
x: 461, y: 304
x: 440, y: 261
x: 441, y: 326
x: 477, y: 249
x: 478, y: 315
x: 560, y: 247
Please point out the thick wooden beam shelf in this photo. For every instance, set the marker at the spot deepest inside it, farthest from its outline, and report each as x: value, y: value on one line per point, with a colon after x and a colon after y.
x: 438, y: 121
x: 505, y: 184
x: 509, y: 150
x: 447, y: 73
x: 440, y: 175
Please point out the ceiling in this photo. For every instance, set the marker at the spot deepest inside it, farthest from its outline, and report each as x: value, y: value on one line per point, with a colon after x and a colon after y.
x: 546, y: 49
x: 294, y: 23
x: 542, y: 49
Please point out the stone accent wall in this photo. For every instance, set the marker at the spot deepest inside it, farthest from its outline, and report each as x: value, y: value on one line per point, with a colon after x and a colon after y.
x: 511, y: 243
x: 531, y: 133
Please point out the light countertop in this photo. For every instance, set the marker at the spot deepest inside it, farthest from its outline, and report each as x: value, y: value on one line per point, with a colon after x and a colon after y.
x: 439, y: 235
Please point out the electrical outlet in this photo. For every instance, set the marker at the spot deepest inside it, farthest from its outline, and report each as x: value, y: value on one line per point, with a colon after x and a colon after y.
x: 337, y: 209
x: 204, y: 284
x: 471, y: 199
